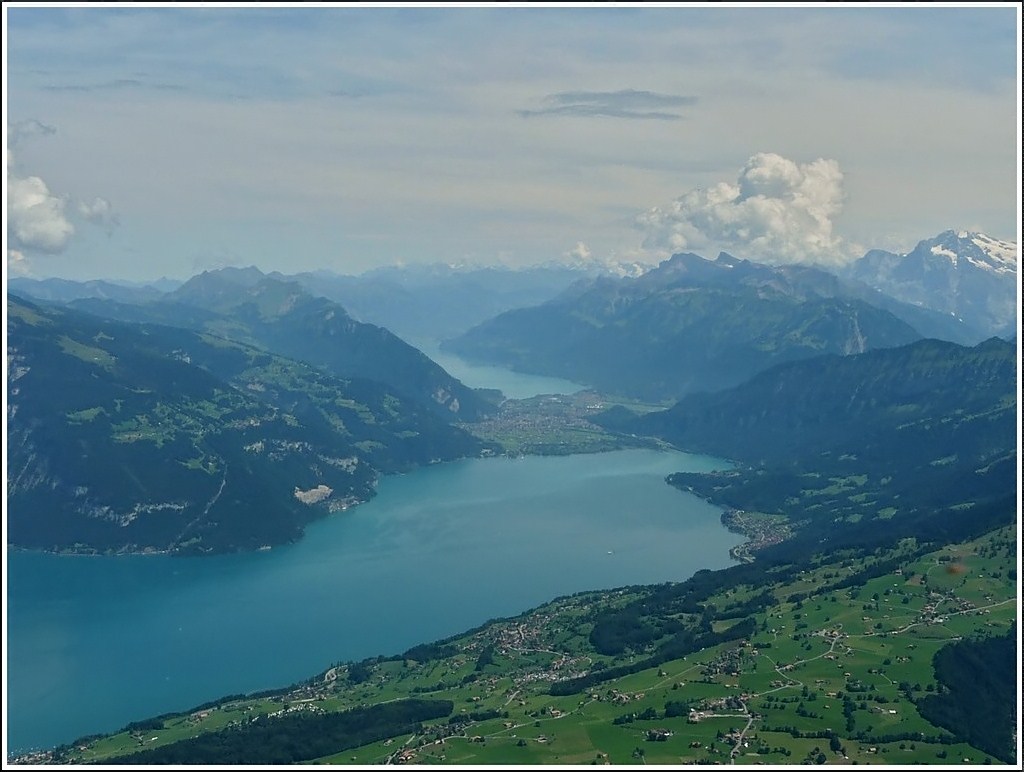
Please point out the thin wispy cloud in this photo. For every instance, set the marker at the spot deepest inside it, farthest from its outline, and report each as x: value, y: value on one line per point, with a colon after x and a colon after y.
x: 627, y: 103
x: 99, y: 212
x: 26, y: 129
x: 112, y: 85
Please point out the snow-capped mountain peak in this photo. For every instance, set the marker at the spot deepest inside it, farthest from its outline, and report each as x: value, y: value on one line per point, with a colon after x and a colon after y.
x: 978, y: 249
x: 967, y: 274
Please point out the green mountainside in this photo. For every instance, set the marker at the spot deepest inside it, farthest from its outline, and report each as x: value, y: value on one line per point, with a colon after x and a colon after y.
x: 889, y: 442
x: 688, y: 325
x: 129, y: 437
x: 282, y: 317
x: 931, y: 399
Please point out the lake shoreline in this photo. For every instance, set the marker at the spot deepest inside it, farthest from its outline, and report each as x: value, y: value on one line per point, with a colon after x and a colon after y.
x: 537, y: 527
x: 351, y: 503
x: 760, y: 531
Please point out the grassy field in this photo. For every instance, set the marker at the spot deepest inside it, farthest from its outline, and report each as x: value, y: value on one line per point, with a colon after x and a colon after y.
x: 830, y: 676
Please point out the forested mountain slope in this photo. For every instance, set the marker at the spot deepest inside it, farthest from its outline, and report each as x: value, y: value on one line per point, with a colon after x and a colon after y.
x: 129, y: 437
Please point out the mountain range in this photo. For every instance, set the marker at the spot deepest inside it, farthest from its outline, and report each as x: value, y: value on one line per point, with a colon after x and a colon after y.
x: 433, y: 302
x: 416, y: 302
x: 693, y: 324
x: 688, y: 325
x: 280, y: 316
x: 235, y: 369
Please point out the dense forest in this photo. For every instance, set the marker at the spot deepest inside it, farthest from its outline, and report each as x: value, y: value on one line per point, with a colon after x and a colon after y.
x: 976, y: 699
x: 296, y: 737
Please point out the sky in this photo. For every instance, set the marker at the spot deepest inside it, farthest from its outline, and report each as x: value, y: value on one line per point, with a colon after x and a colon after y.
x: 148, y: 141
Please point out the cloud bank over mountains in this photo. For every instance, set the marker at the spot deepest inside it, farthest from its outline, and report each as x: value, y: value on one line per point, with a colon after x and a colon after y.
x: 778, y: 210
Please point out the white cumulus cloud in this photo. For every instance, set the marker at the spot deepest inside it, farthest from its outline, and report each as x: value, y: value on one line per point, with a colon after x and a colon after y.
x: 22, y: 130
x: 35, y: 217
x: 38, y: 219
x: 777, y: 211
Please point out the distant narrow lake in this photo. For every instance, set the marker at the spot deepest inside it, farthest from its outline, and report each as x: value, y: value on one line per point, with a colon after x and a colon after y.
x: 514, y: 385
x: 95, y: 642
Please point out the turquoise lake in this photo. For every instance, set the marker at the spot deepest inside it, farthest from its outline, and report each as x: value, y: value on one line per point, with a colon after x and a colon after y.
x: 96, y: 642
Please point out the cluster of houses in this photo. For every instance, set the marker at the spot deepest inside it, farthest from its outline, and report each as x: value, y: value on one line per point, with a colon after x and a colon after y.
x: 403, y: 756
x: 707, y: 708
x: 620, y: 698
x: 658, y: 735
x: 730, y: 662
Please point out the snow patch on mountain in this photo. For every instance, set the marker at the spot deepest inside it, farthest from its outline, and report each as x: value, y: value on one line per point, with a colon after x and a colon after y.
x: 978, y: 249
x: 1004, y: 252
x: 969, y: 275
x: 940, y: 250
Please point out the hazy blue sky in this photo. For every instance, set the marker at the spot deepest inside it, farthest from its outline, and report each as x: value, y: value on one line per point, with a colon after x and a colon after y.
x: 163, y: 141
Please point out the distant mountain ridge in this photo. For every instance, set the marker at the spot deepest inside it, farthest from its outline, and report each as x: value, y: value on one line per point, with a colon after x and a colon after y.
x: 284, y: 317
x: 967, y: 275
x: 64, y: 290
x: 139, y: 437
x: 416, y: 301
x: 421, y: 302
x: 805, y: 282
x: 691, y: 324
x: 251, y: 307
